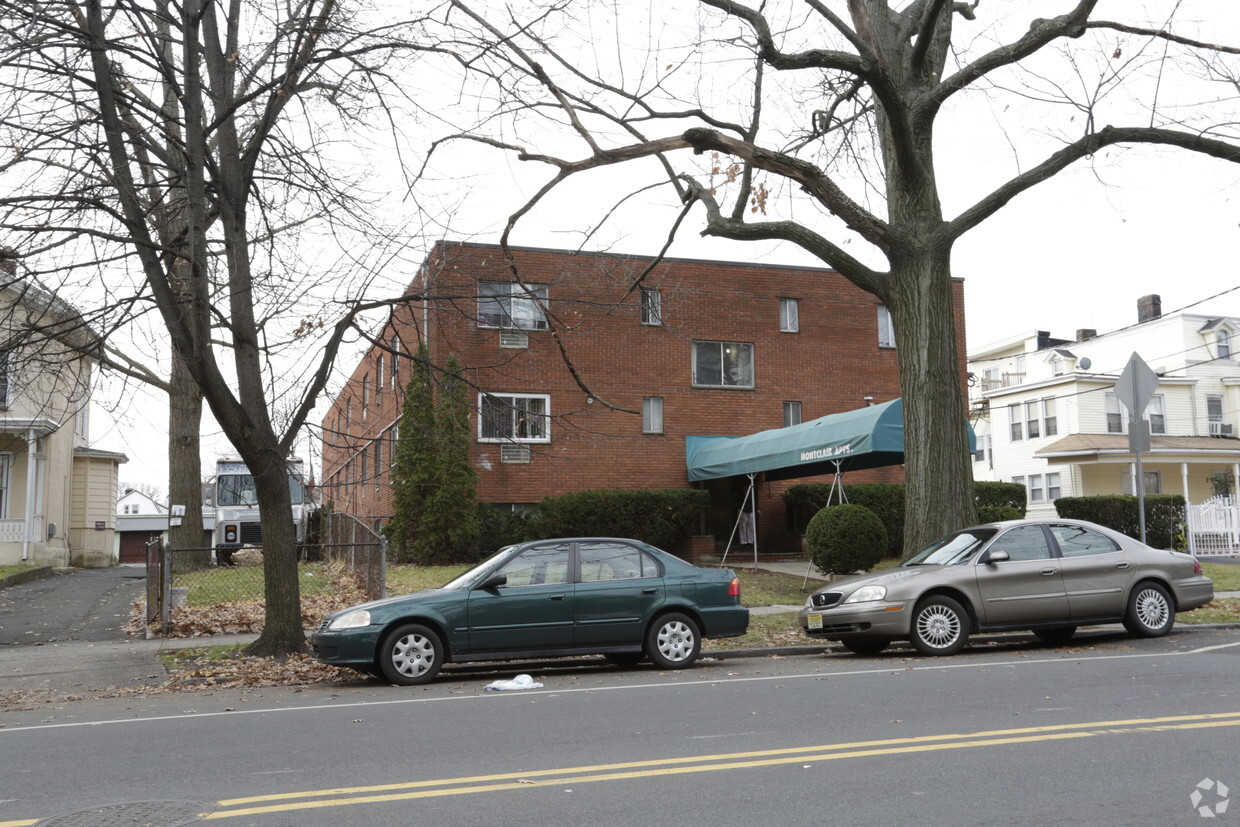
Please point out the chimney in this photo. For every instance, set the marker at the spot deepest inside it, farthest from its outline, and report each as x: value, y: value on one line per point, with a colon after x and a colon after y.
x: 1086, y: 333
x: 1149, y: 308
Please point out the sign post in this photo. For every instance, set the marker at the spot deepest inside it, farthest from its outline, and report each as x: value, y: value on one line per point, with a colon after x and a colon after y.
x: 1135, y: 388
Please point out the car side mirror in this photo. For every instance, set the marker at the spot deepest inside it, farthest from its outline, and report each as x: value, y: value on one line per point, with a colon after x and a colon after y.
x: 494, y: 581
x: 997, y: 556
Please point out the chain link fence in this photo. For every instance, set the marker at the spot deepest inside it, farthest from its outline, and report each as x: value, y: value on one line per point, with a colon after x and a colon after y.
x: 194, y: 591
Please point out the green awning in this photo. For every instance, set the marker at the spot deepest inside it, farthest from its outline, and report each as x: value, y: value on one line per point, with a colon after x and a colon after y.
x: 869, y: 437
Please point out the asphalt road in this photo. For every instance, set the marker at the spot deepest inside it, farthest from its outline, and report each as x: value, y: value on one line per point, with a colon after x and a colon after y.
x: 1110, y: 730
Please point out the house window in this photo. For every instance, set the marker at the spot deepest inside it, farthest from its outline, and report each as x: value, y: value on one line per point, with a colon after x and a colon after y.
x: 1153, y: 483
x: 983, y: 444
x: 1035, y: 488
x: 1019, y: 481
x: 723, y: 364
x: 1050, y: 421
x: 1115, y: 416
x: 1154, y: 412
x: 6, y: 374
x: 792, y: 413
x: 652, y: 415
x: 886, y: 328
x: 1033, y: 423
x: 512, y: 305
x: 1053, y: 488
x: 1222, y: 340
x: 652, y: 307
x: 1017, y: 424
x: 789, y: 316
x: 1214, y: 415
x: 513, y: 418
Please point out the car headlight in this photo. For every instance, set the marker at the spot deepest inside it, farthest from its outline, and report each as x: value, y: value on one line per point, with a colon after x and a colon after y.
x: 351, y: 620
x: 809, y: 602
x: 865, y: 594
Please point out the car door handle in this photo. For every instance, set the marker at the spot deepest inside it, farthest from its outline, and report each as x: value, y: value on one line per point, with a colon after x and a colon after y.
x: 650, y: 591
x: 1121, y: 565
x: 1049, y: 572
x: 558, y: 596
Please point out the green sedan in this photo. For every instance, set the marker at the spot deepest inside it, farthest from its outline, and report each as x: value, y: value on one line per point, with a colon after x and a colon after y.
x: 579, y: 596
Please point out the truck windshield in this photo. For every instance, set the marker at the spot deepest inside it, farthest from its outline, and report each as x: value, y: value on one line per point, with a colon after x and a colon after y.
x: 238, y: 489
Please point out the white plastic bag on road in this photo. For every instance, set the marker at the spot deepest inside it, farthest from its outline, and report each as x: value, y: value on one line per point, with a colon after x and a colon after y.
x: 519, y: 682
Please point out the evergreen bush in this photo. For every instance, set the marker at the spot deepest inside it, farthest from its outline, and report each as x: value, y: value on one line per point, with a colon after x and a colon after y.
x: 846, y: 538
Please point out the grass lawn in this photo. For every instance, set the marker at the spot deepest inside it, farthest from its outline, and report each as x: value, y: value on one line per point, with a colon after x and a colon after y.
x: 1226, y: 577
x: 216, y: 585
x: 5, y: 571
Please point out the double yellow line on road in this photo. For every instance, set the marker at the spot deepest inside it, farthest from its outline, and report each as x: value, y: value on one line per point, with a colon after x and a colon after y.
x: 468, y: 785
x: 345, y: 796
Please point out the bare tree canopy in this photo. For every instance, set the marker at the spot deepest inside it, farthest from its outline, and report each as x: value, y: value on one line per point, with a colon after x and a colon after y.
x: 824, y: 125
x: 195, y: 173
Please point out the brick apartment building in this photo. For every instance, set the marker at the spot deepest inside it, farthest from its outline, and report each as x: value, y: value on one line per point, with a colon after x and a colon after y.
x: 668, y: 350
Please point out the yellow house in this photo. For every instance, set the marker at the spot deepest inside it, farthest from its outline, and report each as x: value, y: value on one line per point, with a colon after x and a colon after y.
x: 57, y: 495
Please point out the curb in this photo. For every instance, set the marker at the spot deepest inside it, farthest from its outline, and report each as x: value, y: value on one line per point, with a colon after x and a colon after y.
x: 33, y: 573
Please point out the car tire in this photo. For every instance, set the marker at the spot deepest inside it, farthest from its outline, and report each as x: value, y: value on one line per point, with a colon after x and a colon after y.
x: 410, y: 655
x: 1151, y: 611
x: 940, y: 626
x: 673, y: 641
x: 1060, y: 634
x: 624, y: 660
x: 864, y: 647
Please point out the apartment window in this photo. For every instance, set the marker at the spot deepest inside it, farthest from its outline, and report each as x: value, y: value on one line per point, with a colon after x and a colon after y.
x: 1050, y: 421
x: 365, y: 470
x: 789, y: 315
x: 1115, y: 416
x: 1016, y: 423
x: 652, y: 307
x: 886, y: 328
x: 365, y: 394
x: 1035, y: 488
x: 512, y: 305
x: 513, y: 417
x: 1153, y: 483
x: 1155, y: 413
x: 792, y: 413
x: 348, y: 411
x: 395, y: 362
x: 652, y: 415
x: 378, y: 376
x: 723, y: 364
x: 1222, y: 340
x: 378, y: 449
x: 1033, y: 423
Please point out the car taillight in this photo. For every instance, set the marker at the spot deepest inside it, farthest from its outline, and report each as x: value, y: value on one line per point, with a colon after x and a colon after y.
x: 734, y: 588
x: 1197, y: 569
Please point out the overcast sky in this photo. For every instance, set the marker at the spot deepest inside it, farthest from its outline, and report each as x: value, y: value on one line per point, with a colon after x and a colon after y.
x: 1075, y: 252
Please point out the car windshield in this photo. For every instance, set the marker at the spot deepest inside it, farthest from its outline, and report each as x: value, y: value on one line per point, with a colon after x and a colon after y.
x: 477, y: 571
x: 952, y: 549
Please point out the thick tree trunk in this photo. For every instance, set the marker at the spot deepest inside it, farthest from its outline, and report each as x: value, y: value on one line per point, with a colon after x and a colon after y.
x: 939, y: 474
x: 184, y: 460
x: 282, y: 632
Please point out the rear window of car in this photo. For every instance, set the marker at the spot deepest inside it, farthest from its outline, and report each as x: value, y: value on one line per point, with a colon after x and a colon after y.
x: 1078, y: 541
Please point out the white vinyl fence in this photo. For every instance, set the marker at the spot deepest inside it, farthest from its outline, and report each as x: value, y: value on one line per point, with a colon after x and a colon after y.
x: 1214, y: 527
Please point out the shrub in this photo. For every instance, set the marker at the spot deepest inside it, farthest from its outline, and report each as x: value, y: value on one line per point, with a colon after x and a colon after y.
x: 1000, y: 495
x: 1164, y: 515
x: 886, y: 500
x: 662, y: 518
x: 846, y: 538
x: 998, y: 513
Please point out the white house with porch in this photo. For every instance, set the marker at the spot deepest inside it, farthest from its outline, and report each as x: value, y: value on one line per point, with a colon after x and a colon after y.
x: 57, y: 494
x: 1047, y: 415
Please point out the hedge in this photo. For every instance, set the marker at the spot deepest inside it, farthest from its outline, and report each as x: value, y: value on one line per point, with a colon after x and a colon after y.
x: 662, y: 518
x: 1164, y: 515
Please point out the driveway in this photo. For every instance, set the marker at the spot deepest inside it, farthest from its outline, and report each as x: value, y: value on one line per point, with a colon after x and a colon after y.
x: 82, y: 605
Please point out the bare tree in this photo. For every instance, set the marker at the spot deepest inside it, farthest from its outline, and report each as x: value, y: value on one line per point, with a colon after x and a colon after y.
x: 181, y: 160
x: 814, y: 124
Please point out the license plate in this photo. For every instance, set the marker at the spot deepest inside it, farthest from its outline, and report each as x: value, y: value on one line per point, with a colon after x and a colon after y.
x: 815, y: 621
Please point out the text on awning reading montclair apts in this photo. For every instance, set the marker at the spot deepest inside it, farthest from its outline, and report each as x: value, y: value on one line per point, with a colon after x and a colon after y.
x: 826, y: 453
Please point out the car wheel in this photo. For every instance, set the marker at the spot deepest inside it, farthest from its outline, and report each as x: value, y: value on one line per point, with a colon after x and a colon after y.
x: 410, y: 655
x: 673, y: 641
x: 1062, y: 634
x: 940, y: 626
x: 625, y: 660
x: 864, y: 647
x: 1151, y: 613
